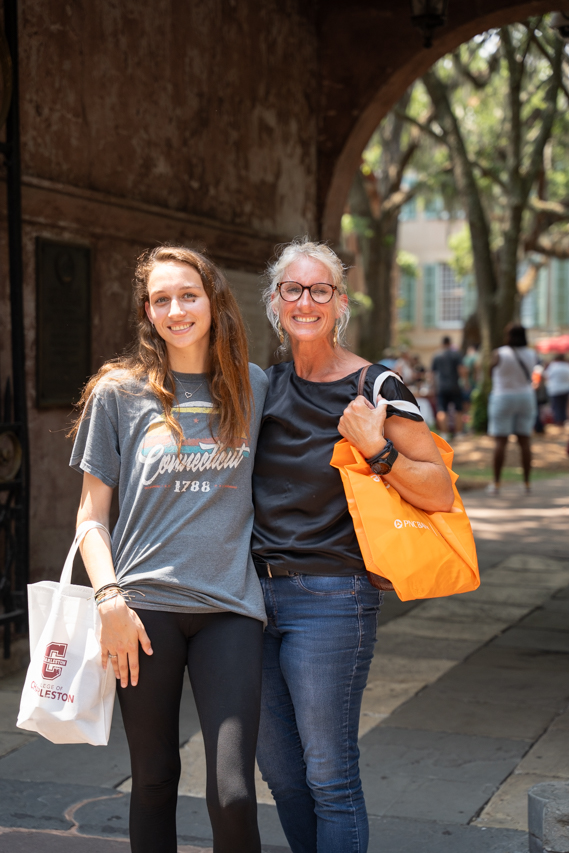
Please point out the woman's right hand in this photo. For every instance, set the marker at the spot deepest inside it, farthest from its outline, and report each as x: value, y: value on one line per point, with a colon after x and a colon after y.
x: 121, y: 632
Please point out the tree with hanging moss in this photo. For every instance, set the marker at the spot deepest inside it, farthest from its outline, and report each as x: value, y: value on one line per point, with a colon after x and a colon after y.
x: 499, y: 109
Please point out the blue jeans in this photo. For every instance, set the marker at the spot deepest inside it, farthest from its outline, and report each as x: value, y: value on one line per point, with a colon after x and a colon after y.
x: 318, y: 647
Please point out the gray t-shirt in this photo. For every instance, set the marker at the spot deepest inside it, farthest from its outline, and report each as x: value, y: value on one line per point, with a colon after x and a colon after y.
x: 184, y: 528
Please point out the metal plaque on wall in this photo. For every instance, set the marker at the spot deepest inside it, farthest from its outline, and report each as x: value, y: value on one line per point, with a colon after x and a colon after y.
x: 63, y: 322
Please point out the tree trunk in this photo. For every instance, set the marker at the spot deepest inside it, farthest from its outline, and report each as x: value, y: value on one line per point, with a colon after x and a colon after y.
x: 379, y: 258
x: 378, y: 246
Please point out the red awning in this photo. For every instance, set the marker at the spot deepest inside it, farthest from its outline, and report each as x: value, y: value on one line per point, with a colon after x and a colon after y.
x: 558, y: 344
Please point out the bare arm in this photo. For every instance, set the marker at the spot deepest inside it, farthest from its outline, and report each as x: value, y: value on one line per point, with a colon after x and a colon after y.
x: 121, y: 629
x: 419, y: 473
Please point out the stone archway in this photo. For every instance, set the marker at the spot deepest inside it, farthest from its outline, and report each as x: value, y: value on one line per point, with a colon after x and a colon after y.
x: 387, y: 59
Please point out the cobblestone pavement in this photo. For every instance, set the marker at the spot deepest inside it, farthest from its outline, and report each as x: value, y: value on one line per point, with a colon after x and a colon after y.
x: 465, y: 709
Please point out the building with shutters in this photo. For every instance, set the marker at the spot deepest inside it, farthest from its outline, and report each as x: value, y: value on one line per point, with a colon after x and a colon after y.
x: 434, y: 303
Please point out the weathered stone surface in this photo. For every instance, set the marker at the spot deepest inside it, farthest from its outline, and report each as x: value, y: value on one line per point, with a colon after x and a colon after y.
x: 407, y: 645
x: 508, y: 807
x: 398, y: 835
x: 508, y: 593
x: 16, y: 841
x: 443, y: 629
x: 441, y: 711
x: 549, y: 756
x: 534, y: 563
x: 547, y: 641
x: 528, y: 659
x: 9, y: 707
x: 433, y: 775
x: 553, y: 617
x: 472, y: 611
x: 528, y: 579
x: 548, y: 817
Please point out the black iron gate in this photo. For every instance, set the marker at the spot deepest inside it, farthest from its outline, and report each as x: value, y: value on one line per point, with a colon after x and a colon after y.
x: 14, y: 457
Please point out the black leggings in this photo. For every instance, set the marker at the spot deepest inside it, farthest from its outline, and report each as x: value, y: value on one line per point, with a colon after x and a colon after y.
x: 223, y: 654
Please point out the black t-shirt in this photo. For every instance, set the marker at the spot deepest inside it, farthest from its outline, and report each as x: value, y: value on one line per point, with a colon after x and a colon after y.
x: 302, y: 522
x: 446, y: 365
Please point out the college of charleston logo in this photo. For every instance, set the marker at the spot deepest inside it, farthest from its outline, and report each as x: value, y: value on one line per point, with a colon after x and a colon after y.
x: 53, y: 661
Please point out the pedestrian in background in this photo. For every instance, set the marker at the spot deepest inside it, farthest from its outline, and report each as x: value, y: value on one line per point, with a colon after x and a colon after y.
x: 321, y: 605
x: 447, y: 370
x: 173, y: 427
x: 404, y: 367
x: 512, y: 406
x: 557, y: 383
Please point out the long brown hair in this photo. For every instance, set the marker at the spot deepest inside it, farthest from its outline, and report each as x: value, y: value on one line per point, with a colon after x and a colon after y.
x: 228, y: 376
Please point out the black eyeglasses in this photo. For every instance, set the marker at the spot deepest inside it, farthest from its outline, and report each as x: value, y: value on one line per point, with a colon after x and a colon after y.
x: 291, y: 291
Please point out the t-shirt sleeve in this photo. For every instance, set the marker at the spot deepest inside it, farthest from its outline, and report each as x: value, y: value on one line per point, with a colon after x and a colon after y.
x: 96, y: 449
x: 402, y: 401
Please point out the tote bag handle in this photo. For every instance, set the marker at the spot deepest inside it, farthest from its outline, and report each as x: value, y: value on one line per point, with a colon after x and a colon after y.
x: 80, y: 534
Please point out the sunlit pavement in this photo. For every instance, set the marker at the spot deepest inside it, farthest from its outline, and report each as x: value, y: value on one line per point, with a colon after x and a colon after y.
x: 466, y: 708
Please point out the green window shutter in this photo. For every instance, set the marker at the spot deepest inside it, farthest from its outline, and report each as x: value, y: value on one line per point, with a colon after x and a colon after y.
x: 470, y: 300
x: 407, y: 299
x: 560, y: 301
x: 541, y: 297
x: 429, y: 296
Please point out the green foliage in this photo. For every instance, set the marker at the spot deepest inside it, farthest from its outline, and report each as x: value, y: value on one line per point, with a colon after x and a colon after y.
x: 360, y: 225
x: 360, y: 303
x: 461, y: 261
x: 481, y: 89
x: 479, y: 409
x: 407, y: 263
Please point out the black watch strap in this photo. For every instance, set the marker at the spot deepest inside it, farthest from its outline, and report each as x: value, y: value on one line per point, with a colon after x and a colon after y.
x: 383, y: 461
x: 383, y: 453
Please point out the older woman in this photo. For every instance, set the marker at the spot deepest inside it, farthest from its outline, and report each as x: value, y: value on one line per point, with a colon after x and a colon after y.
x: 322, y: 607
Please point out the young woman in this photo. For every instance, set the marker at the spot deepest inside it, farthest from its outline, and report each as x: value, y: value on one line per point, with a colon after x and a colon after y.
x: 173, y: 427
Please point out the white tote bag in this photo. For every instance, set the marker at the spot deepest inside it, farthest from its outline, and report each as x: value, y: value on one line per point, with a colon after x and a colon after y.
x: 67, y: 697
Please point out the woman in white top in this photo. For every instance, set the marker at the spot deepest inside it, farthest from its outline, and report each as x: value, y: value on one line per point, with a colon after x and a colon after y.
x: 512, y: 405
x: 557, y: 384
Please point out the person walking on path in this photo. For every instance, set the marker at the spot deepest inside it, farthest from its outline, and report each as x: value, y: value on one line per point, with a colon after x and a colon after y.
x: 512, y: 406
x: 173, y: 427
x: 557, y: 385
x: 321, y: 606
x: 447, y: 370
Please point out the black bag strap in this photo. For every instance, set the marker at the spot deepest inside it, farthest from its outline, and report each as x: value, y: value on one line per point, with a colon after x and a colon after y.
x: 521, y: 363
x: 362, y: 379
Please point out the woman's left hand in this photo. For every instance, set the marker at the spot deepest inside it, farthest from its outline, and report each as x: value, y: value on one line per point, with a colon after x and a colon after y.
x: 362, y: 424
x: 419, y: 474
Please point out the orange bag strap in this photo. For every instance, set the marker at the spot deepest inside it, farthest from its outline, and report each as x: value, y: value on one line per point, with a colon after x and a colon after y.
x: 362, y: 379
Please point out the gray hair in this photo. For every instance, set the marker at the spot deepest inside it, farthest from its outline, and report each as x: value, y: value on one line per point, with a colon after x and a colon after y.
x: 302, y: 247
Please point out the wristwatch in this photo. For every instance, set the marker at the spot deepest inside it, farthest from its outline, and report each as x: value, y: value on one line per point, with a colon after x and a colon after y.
x: 382, y: 462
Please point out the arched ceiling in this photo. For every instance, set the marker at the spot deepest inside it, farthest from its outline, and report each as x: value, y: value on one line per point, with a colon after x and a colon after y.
x: 369, y: 55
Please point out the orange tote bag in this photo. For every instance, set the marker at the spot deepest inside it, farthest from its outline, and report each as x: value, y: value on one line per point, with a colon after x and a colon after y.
x: 423, y: 554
